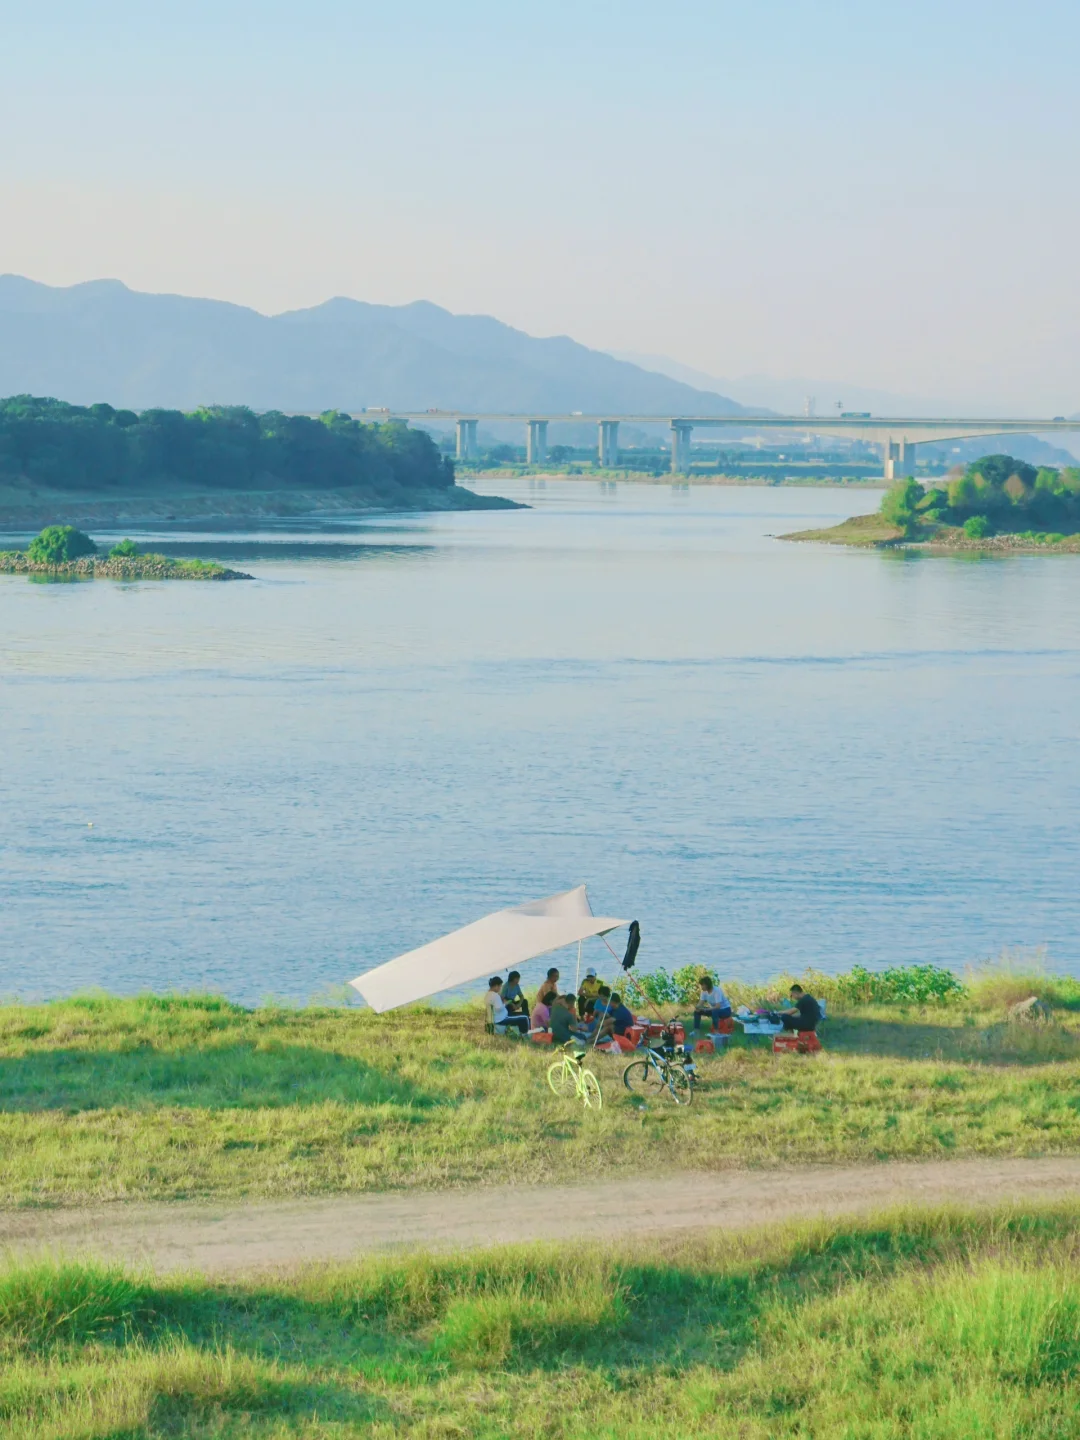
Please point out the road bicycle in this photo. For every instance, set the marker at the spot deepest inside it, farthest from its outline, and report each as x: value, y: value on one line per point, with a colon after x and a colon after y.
x: 568, y: 1077
x: 659, y: 1073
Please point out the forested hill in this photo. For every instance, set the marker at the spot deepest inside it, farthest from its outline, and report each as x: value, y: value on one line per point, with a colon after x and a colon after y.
x: 100, y: 338
x: 101, y: 450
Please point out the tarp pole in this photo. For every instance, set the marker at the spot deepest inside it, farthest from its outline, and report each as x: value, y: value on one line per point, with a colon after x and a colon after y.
x: 577, y: 972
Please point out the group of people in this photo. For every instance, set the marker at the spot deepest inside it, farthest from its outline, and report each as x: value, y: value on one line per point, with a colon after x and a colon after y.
x: 597, y: 1013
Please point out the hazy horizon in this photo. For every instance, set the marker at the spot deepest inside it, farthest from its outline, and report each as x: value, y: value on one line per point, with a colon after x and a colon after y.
x: 885, y: 196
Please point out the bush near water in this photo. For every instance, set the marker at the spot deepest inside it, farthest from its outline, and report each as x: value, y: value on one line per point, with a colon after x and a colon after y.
x: 996, y: 494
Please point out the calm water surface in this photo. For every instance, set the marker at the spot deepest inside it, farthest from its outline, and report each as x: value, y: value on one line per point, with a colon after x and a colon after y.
x: 772, y: 755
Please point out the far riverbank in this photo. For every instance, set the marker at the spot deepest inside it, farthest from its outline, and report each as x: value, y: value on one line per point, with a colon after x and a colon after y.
x: 29, y: 508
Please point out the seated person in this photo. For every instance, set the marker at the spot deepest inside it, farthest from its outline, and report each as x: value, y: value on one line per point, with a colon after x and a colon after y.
x: 549, y: 987
x: 712, y: 1002
x: 498, y: 1015
x: 513, y: 995
x: 589, y: 989
x: 540, y: 1019
x: 621, y: 1016
x: 598, y: 1003
x: 563, y: 1029
x: 806, y: 1011
x: 600, y: 1021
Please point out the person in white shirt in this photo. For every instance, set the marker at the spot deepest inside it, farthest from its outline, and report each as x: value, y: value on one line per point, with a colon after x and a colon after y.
x: 712, y: 1002
x: 498, y: 1015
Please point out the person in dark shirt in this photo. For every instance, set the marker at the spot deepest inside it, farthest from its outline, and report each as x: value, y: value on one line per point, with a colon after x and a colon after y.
x: 621, y: 1015
x: 805, y: 1012
x: 562, y: 1021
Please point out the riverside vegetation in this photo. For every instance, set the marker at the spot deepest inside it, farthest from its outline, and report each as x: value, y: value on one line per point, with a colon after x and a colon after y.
x: 61, y: 552
x: 222, y: 457
x: 996, y: 503
x: 936, y: 1325
x: 191, y: 1096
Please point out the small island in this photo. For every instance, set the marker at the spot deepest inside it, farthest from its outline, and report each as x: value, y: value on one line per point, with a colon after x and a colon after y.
x: 61, y: 552
x: 997, y: 503
x: 97, y: 465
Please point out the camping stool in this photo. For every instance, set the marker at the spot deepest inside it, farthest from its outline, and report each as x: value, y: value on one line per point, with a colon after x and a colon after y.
x: 541, y: 1037
x: 705, y: 1047
x: 635, y: 1033
x: 724, y: 1027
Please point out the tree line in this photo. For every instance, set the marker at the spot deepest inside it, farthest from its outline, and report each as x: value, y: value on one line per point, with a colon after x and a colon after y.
x: 995, y: 493
x: 97, y: 447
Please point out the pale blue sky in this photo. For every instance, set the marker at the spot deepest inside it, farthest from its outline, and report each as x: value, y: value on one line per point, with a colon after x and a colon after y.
x: 885, y: 194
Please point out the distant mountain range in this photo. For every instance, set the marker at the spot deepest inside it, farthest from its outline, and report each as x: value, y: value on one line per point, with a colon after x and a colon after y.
x: 101, y: 341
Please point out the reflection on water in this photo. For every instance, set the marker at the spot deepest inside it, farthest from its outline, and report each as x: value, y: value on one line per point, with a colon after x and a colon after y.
x: 771, y: 755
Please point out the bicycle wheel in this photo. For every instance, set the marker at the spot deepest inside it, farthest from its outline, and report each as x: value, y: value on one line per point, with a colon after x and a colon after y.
x: 591, y: 1093
x: 679, y: 1086
x: 562, y: 1079
x: 641, y: 1077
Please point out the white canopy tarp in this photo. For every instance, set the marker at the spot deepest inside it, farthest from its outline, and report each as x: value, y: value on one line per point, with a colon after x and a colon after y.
x: 499, y: 942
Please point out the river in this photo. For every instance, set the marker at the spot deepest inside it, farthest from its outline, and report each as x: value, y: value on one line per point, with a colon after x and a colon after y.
x: 774, y: 756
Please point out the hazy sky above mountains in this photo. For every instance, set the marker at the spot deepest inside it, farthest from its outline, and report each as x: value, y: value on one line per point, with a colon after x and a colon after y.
x: 886, y: 193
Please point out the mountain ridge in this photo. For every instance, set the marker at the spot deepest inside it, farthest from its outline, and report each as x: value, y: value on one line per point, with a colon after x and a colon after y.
x: 101, y: 340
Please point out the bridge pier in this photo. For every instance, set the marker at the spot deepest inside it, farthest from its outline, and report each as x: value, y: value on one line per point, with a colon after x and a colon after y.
x: 467, y: 448
x: 536, y: 442
x: 608, y: 447
x: 899, y: 459
x: 681, y: 431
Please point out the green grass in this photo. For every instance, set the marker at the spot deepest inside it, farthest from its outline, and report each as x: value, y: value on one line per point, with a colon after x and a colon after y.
x: 938, y: 1325
x: 189, y: 1096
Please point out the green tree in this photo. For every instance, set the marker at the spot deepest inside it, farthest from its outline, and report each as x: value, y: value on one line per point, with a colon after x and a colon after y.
x: 124, y: 550
x: 899, y: 505
x: 977, y: 527
x: 58, y: 544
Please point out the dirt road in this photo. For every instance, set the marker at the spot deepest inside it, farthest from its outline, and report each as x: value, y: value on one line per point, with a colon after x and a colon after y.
x: 241, y: 1236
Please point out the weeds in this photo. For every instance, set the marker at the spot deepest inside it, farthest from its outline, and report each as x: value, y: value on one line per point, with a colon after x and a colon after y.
x: 931, y: 1324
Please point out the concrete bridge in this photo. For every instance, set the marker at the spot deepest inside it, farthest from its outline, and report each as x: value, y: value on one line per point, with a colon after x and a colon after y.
x: 897, y: 436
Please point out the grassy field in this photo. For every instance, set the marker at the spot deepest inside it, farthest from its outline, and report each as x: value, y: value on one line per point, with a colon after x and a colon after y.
x: 937, y: 1326
x: 189, y: 1096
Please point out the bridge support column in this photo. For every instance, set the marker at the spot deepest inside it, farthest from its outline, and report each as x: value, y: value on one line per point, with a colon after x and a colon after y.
x: 899, y: 458
x: 680, y: 447
x: 467, y: 448
x: 608, y: 447
x: 536, y: 442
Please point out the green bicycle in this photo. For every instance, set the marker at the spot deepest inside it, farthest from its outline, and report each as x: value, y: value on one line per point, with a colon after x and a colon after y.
x: 569, y: 1078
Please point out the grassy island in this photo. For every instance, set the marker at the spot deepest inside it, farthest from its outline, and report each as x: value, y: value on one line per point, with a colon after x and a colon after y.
x: 997, y: 504
x: 100, y: 465
x: 61, y: 552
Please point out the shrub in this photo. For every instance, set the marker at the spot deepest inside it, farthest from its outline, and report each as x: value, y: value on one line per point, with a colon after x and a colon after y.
x: 899, y: 505
x: 125, y: 550
x: 977, y: 527
x: 904, y: 984
x: 657, y: 988
x: 57, y: 544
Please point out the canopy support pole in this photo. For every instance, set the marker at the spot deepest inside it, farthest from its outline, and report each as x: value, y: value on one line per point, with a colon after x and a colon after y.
x: 577, y: 972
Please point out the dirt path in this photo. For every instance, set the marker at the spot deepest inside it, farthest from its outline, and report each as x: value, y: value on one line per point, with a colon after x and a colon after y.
x: 230, y: 1237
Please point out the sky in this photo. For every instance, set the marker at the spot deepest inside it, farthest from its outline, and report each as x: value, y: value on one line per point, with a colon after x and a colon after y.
x: 882, y: 193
